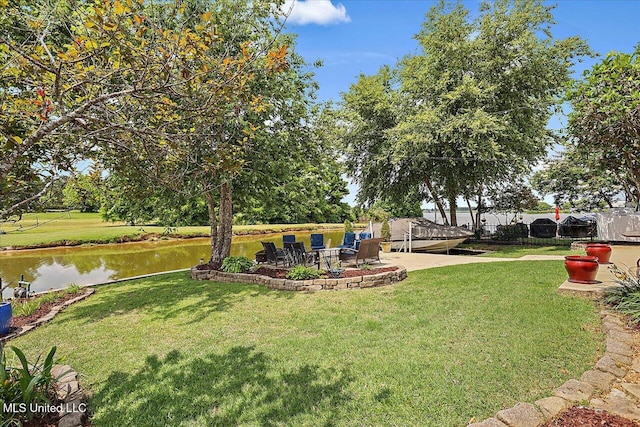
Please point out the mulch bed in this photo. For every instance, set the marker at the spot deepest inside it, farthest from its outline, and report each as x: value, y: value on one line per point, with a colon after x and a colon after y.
x: 42, y: 311
x: 281, y: 273
x: 20, y: 321
x: 584, y: 417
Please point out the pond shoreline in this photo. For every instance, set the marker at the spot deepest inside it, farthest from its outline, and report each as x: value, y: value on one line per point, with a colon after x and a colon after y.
x: 158, y: 236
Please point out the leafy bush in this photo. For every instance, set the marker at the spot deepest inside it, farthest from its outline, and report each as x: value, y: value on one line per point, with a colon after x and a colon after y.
x: 626, y: 297
x: 24, y: 386
x: 236, y: 264
x: 365, y: 266
x: 348, y: 226
x: 300, y: 272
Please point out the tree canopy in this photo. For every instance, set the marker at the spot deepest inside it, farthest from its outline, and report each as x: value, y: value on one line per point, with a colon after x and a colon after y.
x: 605, y: 120
x: 174, y: 100
x: 469, y: 111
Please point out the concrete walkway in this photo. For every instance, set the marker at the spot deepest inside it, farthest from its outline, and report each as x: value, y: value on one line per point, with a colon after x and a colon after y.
x: 419, y: 261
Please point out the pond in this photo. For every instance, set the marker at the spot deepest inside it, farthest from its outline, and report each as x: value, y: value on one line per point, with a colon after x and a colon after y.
x: 56, y: 268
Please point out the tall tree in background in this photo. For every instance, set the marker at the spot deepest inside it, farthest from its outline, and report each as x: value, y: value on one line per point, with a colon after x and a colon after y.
x: 605, y: 120
x: 473, y: 106
x: 575, y: 177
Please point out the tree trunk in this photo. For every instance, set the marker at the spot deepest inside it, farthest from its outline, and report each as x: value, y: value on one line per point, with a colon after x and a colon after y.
x: 471, y: 214
x: 453, y: 205
x: 213, y: 227
x: 221, y: 230
x: 437, y: 201
x: 479, y: 211
x: 225, y: 231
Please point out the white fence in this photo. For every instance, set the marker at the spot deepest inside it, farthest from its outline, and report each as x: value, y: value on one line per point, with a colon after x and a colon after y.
x: 612, y: 225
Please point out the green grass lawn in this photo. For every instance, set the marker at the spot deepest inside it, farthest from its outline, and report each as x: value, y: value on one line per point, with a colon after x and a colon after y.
x: 445, y: 345
x: 54, y: 227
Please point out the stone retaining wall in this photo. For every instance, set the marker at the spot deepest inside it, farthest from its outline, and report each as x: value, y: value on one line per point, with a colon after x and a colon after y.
x: 358, y: 282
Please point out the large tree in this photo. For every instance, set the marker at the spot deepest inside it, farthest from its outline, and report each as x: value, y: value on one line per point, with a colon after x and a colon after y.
x: 575, y: 177
x: 238, y: 124
x: 473, y: 106
x: 174, y: 94
x: 605, y: 121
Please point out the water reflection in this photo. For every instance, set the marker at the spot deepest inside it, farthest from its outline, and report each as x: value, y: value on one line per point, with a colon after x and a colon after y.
x: 59, y: 267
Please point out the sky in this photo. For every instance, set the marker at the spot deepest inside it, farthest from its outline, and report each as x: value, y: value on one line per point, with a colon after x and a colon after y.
x: 358, y: 37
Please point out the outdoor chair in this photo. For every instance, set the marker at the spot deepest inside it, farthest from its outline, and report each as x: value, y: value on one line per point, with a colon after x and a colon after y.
x: 296, y: 254
x: 349, y: 240
x: 273, y: 254
x: 288, y: 238
x: 362, y: 236
x: 317, y: 241
x: 369, y: 250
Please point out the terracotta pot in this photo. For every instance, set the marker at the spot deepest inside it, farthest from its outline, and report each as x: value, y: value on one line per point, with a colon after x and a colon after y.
x: 581, y: 269
x: 600, y: 250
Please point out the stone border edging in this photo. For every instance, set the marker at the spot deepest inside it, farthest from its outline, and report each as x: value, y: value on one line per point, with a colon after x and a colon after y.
x: 44, y: 319
x: 74, y: 401
x: 610, y: 369
x: 358, y: 282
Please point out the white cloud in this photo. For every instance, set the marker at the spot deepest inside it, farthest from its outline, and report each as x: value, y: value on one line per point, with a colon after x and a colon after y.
x: 321, y: 12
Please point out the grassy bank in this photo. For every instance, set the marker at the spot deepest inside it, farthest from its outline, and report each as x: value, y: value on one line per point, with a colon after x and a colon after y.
x: 446, y: 345
x: 71, y: 228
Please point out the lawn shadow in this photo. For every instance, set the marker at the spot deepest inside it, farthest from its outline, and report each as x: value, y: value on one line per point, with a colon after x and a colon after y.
x: 241, y: 386
x: 165, y: 297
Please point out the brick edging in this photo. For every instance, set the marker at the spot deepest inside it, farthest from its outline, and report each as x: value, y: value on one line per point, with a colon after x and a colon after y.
x: 610, y: 368
x: 358, y: 282
x: 73, y: 411
x: 44, y: 319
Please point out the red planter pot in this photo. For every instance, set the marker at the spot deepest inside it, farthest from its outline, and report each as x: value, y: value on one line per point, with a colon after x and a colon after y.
x: 600, y: 250
x: 581, y: 269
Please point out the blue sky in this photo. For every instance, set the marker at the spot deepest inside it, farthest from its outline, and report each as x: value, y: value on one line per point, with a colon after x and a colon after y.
x: 354, y: 37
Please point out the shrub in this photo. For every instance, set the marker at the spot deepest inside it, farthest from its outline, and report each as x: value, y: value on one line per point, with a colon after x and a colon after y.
x: 365, y: 266
x: 26, y: 307
x: 236, y: 264
x: 348, y: 226
x: 73, y: 289
x: 626, y: 297
x: 300, y: 272
x: 49, y: 297
x: 385, y: 231
x: 24, y: 386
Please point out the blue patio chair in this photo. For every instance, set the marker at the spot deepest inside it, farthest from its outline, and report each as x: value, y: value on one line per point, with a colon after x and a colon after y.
x: 364, y: 235
x: 288, y: 238
x: 349, y: 240
x: 317, y: 241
